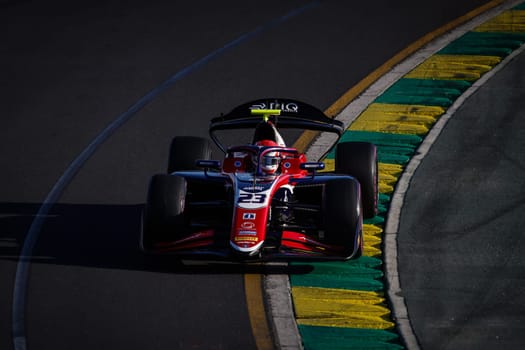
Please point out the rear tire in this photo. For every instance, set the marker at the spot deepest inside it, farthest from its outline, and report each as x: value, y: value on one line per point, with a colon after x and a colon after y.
x: 342, y: 215
x: 185, y: 150
x: 359, y: 160
x: 164, y: 214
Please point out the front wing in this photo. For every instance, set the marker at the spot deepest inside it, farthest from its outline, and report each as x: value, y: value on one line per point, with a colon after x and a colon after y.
x: 211, y: 244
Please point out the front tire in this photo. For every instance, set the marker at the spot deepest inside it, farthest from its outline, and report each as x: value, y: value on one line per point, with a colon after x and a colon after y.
x: 342, y: 215
x: 164, y: 214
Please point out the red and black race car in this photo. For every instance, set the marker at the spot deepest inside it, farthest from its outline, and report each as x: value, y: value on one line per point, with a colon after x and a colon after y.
x: 264, y: 200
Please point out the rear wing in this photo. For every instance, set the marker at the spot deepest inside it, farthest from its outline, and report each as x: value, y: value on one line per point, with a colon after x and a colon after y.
x: 293, y: 115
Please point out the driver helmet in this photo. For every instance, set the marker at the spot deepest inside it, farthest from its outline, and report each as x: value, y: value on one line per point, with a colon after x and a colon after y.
x: 271, y: 160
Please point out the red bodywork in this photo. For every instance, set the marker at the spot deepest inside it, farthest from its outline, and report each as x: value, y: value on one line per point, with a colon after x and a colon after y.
x: 253, y: 195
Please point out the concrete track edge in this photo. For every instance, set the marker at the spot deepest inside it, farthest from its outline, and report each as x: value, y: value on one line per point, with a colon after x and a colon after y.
x: 392, y: 222
x: 277, y: 289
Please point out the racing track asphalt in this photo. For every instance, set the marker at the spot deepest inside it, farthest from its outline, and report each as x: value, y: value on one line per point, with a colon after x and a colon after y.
x: 460, y: 240
x: 69, y: 69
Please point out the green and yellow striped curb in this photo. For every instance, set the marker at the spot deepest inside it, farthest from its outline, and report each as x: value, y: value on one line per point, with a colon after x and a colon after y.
x: 342, y: 305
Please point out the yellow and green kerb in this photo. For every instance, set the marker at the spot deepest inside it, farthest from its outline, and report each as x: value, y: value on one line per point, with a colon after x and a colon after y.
x: 342, y: 305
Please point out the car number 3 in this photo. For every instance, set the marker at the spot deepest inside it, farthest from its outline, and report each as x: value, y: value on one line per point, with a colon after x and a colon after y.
x: 252, y: 198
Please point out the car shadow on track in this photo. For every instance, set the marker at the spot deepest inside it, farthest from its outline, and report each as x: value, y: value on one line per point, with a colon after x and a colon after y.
x: 103, y: 236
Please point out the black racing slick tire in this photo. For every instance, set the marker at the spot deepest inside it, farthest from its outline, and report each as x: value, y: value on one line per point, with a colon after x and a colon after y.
x: 359, y: 160
x: 185, y: 150
x: 342, y: 220
x: 164, y: 216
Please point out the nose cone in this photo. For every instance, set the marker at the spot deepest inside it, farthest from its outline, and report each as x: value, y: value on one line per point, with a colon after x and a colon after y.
x: 246, y: 245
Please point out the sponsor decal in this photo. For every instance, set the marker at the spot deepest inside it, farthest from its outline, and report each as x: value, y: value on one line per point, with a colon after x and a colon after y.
x: 287, y: 165
x: 245, y: 239
x: 237, y: 163
x: 247, y: 233
x: 248, y: 225
x: 248, y: 216
x: 289, y: 107
x: 253, y: 188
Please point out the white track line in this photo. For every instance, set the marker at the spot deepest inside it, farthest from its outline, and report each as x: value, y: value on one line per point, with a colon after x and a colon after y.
x: 277, y: 286
x: 20, y: 284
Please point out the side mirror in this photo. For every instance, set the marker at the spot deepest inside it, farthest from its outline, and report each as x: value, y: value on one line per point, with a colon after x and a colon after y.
x: 208, y: 164
x: 312, y: 166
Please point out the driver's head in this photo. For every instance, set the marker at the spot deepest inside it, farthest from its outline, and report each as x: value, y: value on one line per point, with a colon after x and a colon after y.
x: 271, y: 160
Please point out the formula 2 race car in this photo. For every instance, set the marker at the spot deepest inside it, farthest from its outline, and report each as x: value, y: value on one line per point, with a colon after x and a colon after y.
x: 264, y: 200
